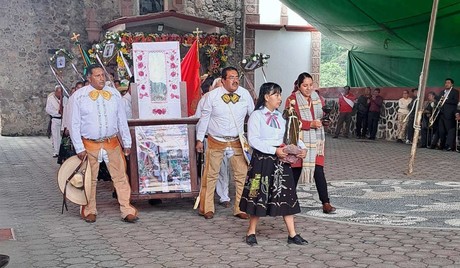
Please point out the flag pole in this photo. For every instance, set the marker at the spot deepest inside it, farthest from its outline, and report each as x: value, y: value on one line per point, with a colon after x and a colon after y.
x: 422, y: 85
x: 198, y: 32
x: 77, y: 42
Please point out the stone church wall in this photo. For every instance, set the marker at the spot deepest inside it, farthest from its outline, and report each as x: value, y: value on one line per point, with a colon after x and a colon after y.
x: 29, y: 28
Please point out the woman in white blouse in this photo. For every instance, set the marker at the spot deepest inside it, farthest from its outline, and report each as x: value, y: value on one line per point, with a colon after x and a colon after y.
x: 270, y: 187
x: 403, y: 111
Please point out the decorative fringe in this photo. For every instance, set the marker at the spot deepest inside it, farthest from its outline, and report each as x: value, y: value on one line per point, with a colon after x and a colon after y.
x: 306, y: 176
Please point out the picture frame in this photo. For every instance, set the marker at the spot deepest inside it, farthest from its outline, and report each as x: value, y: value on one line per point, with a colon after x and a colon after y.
x: 108, y: 50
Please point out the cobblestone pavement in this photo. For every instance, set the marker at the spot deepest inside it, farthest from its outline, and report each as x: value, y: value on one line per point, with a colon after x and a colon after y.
x: 172, y: 235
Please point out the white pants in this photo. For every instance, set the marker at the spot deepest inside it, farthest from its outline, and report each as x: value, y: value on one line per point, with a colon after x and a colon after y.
x: 56, y: 134
x: 222, y: 181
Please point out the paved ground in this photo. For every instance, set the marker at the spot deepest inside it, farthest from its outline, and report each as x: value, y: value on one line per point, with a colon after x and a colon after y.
x: 172, y: 235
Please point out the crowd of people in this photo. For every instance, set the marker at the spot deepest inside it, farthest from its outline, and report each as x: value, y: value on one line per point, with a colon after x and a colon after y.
x: 439, y: 128
x: 288, y: 147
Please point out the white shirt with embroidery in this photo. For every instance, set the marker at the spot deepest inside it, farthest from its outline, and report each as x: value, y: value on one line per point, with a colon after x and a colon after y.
x: 216, y: 116
x: 99, y: 118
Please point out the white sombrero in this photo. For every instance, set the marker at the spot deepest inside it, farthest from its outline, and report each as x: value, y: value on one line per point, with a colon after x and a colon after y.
x: 74, y: 180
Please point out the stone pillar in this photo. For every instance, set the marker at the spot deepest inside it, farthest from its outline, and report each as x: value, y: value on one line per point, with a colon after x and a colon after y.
x: 251, y: 16
x: 127, y: 8
x: 284, y: 15
x: 92, y: 26
x: 177, y: 5
x: 315, y: 57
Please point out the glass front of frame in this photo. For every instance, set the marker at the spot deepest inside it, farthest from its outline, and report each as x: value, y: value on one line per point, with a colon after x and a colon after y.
x: 163, y: 159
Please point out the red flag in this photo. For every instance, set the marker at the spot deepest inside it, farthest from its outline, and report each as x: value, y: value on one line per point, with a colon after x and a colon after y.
x: 190, y: 71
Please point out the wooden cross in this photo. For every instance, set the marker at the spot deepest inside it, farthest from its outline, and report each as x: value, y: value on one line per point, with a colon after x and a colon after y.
x: 75, y: 37
x: 197, y: 32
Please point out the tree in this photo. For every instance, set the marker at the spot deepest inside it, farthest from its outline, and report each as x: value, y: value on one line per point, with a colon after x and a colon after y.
x: 333, y: 64
x: 332, y: 75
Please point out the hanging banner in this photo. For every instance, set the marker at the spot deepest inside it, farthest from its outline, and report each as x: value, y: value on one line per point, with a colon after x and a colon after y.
x: 157, y: 74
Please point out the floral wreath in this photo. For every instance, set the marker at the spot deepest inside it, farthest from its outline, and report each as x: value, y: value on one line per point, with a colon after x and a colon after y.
x: 61, y: 51
x: 255, y: 61
x: 215, y: 46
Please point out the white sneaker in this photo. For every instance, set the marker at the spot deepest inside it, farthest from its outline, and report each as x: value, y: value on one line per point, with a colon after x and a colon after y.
x: 408, y: 142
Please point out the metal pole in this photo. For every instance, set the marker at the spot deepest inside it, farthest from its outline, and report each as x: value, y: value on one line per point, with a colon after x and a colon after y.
x: 422, y: 85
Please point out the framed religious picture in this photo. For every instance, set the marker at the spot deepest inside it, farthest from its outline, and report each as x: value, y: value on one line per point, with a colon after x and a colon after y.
x: 163, y: 161
x: 158, y: 76
x: 60, y: 62
x: 108, y: 50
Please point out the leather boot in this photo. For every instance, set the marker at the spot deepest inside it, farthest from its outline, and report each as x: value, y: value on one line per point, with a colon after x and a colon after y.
x: 328, y: 209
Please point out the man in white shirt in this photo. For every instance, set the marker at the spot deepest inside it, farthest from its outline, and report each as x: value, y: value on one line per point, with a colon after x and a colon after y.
x: 225, y: 172
x: 98, y: 116
x: 53, y: 108
x: 222, y: 118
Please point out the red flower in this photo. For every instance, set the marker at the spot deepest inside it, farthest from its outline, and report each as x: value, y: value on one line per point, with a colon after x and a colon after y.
x: 141, y: 73
x: 140, y: 65
x: 139, y: 57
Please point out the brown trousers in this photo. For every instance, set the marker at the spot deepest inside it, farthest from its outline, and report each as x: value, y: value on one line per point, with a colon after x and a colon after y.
x: 117, y: 170
x: 214, y: 155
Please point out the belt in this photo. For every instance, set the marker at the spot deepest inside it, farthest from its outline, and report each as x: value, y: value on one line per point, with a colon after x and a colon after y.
x: 102, y: 139
x: 227, y: 138
x: 56, y: 117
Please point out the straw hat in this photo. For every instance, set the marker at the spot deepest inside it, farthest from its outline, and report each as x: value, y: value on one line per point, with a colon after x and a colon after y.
x: 79, y: 185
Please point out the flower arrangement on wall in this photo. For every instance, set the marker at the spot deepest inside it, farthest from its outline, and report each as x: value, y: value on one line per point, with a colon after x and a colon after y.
x: 254, y: 61
x: 215, y: 46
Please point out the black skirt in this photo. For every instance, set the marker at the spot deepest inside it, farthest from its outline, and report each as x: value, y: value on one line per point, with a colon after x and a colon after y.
x: 269, y: 188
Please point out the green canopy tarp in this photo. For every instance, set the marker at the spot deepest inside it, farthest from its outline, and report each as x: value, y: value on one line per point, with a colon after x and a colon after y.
x: 386, y: 39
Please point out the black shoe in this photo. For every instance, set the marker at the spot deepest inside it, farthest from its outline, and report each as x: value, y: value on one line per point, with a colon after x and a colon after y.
x: 297, y: 239
x: 399, y: 141
x: 251, y: 240
x: 335, y: 137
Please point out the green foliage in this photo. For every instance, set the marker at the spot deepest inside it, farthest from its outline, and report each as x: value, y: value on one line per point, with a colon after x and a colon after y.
x: 332, y: 75
x: 333, y: 64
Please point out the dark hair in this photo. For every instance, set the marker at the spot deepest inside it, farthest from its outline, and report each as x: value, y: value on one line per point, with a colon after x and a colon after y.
x: 115, y: 81
x: 377, y: 89
x: 347, y: 87
x: 269, y: 88
x: 90, y: 68
x: 302, y: 77
x: 226, y: 69
x: 451, y: 80
x: 432, y: 93
x: 79, y: 83
x: 414, y: 89
x: 206, y: 84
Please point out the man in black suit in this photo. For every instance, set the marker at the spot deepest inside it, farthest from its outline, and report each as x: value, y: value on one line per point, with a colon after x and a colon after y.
x: 446, y: 128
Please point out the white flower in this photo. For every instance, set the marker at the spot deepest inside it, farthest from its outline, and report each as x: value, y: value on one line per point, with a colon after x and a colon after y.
x: 244, y: 61
x: 264, y: 61
x: 254, y: 58
x: 123, y: 44
x: 97, y: 46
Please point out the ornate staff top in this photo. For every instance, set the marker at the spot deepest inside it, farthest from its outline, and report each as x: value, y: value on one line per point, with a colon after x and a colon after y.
x: 75, y: 37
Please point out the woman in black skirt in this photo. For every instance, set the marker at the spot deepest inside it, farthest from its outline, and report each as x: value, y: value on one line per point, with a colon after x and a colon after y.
x: 270, y: 187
